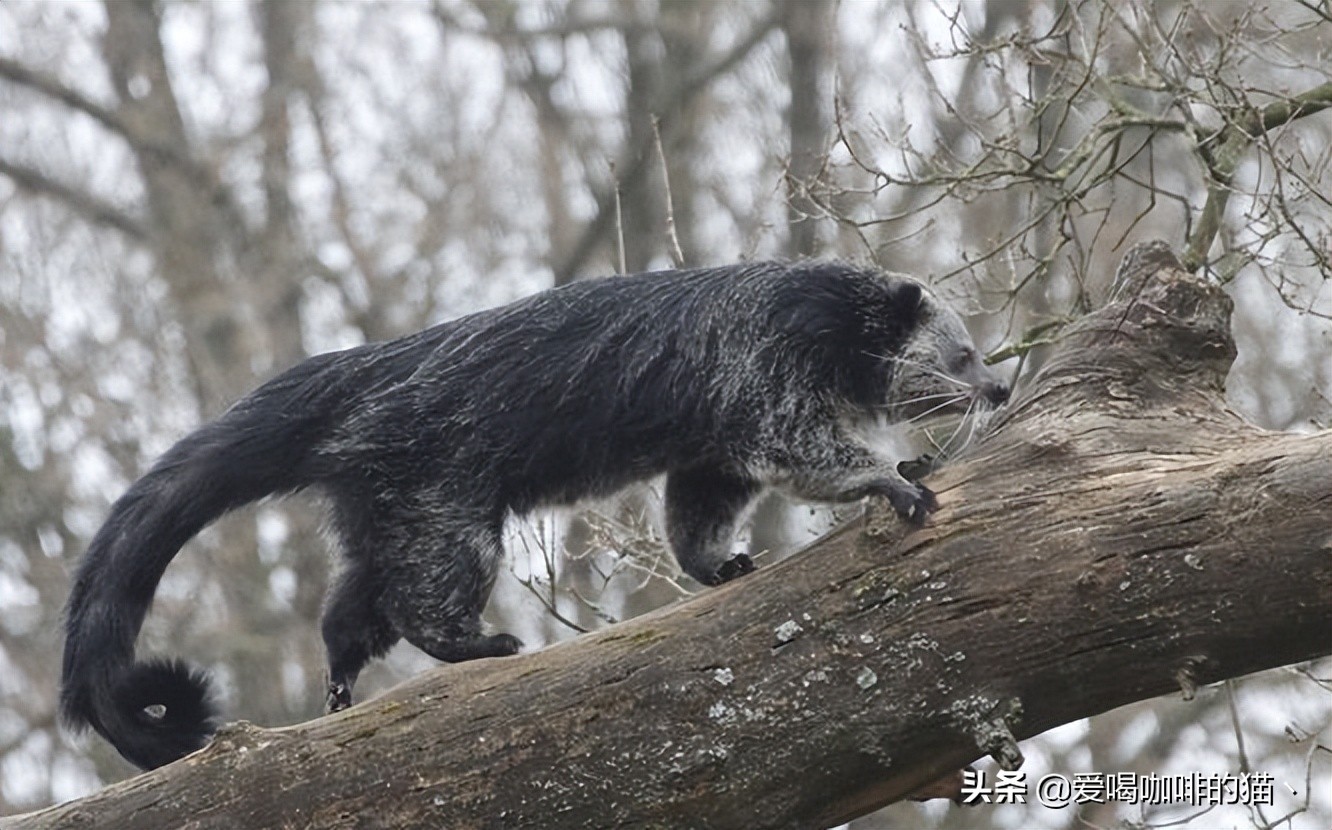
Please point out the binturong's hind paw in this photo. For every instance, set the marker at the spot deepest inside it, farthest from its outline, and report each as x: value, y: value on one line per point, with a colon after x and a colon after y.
x: 913, y: 502
x: 339, y: 697
x: 503, y: 645
x: 737, y: 565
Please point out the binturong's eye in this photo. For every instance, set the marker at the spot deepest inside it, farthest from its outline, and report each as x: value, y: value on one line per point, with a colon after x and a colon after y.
x: 961, y: 359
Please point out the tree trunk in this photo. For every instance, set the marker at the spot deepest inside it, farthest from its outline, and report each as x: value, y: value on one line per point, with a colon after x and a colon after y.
x: 1120, y: 534
x: 807, y: 26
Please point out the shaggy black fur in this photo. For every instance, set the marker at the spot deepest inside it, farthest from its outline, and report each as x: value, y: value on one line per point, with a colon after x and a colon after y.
x: 728, y: 380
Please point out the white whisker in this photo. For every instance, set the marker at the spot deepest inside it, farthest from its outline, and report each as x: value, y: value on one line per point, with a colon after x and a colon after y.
x: 922, y: 366
x: 962, y: 422
x: 971, y: 432
x: 947, y: 403
x: 978, y: 421
x: 934, y: 397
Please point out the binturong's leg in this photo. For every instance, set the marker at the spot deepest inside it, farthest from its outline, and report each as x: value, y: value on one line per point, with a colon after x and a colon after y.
x: 704, y: 505
x: 439, y: 584
x: 850, y: 472
x: 354, y: 630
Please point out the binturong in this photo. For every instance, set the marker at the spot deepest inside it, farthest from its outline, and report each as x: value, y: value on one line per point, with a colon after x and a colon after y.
x: 726, y: 380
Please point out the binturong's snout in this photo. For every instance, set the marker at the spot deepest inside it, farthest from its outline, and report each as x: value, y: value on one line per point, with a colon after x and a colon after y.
x: 983, y: 386
x: 994, y: 391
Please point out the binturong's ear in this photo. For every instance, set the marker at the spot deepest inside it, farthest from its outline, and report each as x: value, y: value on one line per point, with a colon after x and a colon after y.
x: 907, y: 295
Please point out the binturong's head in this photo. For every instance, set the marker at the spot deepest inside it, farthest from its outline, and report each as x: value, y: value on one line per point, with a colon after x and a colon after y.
x: 937, y: 368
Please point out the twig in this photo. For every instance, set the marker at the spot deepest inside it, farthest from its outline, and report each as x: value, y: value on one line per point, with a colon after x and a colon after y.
x: 84, y: 204
x: 1245, y: 767
x: 1222, y: 152
x: 1042, y: 334
x: 635, y: 158
x: 677, y: 255
x: 53, y: 88
x: 619, y: 223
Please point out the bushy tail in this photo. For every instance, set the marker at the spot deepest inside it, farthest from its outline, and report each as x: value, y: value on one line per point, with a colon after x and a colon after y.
x: 154, y: 712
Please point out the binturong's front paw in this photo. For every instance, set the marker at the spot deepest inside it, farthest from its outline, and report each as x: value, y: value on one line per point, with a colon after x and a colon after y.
x: 913, y: 502
x: 737, y: 565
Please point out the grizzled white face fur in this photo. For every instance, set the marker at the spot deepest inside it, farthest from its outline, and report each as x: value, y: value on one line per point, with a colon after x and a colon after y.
x: 939, y: 368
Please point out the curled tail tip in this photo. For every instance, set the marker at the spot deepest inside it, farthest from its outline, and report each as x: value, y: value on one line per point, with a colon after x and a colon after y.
x: 153, y: 712
x: 169, y: 710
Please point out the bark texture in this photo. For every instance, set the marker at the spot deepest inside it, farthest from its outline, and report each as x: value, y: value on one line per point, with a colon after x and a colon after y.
x: 1120, y: 534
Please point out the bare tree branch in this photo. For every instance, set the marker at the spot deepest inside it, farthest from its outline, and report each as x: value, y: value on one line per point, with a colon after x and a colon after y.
x: 111, y: 118
x: 677, y: 255
x: 80, y: 202
x: 53, y: 88
x: 634, y: 160
x: 1223, y: 151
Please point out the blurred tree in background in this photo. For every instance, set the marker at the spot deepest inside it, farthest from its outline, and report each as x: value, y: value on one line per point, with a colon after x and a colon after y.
x: 194, y: 196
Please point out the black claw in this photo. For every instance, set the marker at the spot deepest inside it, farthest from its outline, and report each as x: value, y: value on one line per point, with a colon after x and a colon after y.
x: 735, y: 566
x: 915, y: 469
x: 339, y: 697
x: 927, y: 496
x: 913, y: 505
